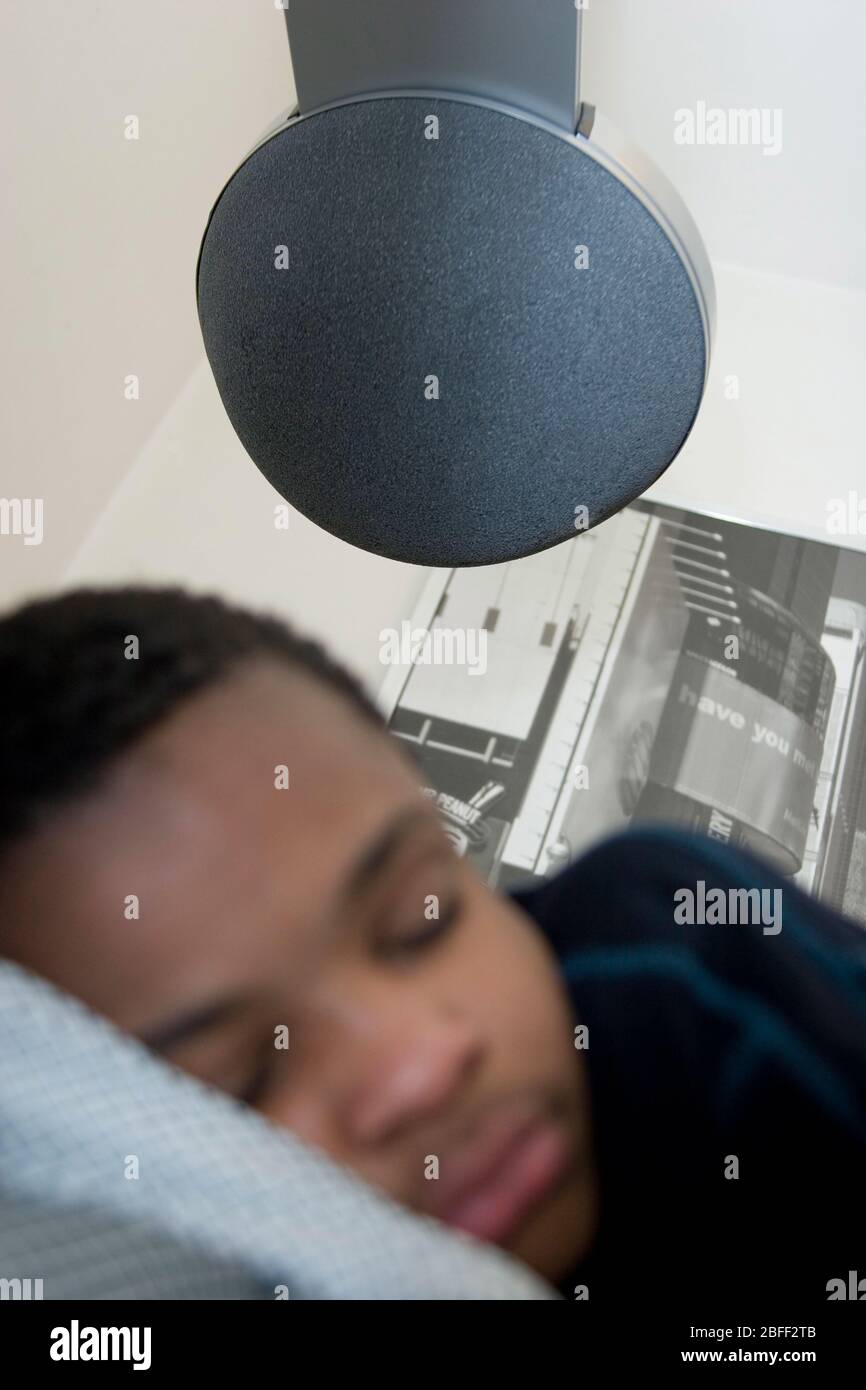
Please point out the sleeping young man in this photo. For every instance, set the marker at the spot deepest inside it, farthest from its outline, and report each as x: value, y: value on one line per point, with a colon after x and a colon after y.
x: 208, y: 835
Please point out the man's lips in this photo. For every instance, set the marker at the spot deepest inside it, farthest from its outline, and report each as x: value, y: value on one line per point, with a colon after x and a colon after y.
x: 490, y: 1189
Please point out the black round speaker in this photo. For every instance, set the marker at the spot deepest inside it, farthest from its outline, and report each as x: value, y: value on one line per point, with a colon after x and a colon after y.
x: 451, y: 333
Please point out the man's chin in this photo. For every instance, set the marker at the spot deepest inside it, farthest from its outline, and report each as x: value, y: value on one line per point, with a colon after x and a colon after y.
x: 557, y: 1234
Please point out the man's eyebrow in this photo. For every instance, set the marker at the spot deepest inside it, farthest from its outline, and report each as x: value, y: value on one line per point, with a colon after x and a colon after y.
x: 185, y: 1026
x: 385, y: 846
x: 371, y: 862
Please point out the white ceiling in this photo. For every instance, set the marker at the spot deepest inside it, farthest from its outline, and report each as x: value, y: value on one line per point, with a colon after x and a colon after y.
x: 801, y: 212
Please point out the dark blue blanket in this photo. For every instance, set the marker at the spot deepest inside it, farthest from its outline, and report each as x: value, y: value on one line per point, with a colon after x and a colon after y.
x: 712, y: 1037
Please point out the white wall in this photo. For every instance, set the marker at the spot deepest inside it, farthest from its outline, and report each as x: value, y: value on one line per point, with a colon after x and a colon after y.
x: 100, y: 256
x: 194, y: 510
x: 99, y: 234
x: 799, y: 213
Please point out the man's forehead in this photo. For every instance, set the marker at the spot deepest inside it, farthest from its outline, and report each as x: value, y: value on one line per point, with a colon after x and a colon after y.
x: 265, y: 716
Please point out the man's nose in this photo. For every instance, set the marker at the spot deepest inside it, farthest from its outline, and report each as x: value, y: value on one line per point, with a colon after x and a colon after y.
x: 415, y: 1072
x: 390, y: 1062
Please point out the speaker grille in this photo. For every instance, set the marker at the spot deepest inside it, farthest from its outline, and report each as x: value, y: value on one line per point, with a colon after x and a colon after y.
x: 410, y: 258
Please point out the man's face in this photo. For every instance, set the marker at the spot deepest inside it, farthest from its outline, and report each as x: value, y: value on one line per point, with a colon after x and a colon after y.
x: 416, y: 1044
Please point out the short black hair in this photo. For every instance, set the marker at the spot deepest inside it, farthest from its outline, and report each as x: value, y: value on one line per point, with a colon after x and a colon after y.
x: 72, y: 699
